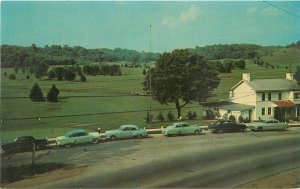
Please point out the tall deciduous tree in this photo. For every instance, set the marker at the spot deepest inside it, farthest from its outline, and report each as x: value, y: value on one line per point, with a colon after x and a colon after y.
x: 36, y: 93
x: 181, y: 77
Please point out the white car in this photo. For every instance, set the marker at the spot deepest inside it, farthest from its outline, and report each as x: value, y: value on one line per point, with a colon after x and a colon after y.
x: 266, y: 125
x: 77, y: 137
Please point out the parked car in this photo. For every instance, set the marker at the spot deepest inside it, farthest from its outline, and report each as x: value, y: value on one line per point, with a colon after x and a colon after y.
x: 125, y: 132
x: 181, y: 128
x: 270, y: 124
x: 77, y: 137
x: 24, y: 143
x: 222, y: 126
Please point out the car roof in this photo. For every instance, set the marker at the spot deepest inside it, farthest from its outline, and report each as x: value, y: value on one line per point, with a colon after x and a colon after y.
x: 122, y: 126
x: 176, y: 123
x: 76, y: 131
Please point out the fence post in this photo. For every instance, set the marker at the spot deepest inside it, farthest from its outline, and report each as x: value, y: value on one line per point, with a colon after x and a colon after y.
x: 33, y: 154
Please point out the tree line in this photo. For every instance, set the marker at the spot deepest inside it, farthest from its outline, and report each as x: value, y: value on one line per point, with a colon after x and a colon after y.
x: 24, y: 57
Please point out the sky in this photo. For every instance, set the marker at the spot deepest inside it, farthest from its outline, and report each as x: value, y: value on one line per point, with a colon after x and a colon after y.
x: 124, y: 24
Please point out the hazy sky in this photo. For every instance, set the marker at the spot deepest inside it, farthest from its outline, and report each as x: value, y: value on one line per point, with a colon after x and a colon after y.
x: 126, y: 24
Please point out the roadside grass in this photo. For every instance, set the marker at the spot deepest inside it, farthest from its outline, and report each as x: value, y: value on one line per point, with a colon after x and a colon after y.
x: 106, y: 100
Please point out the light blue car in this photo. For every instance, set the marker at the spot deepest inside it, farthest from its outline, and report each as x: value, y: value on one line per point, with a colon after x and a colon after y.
x: 125, y: 132
x: 77, y: 137
x: 182, y: 128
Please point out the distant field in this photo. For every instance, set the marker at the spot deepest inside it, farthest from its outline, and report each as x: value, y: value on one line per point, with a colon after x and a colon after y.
x: 104, y: 99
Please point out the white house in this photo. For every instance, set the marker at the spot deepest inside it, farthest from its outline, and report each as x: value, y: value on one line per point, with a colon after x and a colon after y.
x: 262, y: 98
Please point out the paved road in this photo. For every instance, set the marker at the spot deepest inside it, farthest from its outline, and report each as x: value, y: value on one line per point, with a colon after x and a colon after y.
x: 209, y: 160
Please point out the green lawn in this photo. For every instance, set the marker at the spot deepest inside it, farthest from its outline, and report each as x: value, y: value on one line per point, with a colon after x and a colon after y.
x: 105, y: 99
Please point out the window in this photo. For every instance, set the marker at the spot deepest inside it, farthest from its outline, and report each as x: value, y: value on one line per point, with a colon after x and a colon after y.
x: 263, y: 97
x: 133, y: 128
x: 263, y: 111
x: 269, y: 110
x: 279, y: 96
x: 269, y: 96
x: 296, y: 95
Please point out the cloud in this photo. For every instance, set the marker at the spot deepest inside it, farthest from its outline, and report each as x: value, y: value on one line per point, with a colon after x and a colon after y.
x: 185, y: 16
x: 190, y: 15
x: 268, y: 11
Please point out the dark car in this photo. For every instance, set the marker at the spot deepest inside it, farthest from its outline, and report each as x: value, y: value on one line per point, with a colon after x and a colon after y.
x: 224, y: 126
x: 24, y: 143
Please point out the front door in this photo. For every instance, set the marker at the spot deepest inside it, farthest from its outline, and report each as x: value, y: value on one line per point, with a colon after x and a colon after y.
x: 250, y: 115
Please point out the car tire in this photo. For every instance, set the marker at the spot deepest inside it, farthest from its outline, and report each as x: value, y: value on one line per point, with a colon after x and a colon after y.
x: 94, y: 141
x: 220, y: 131
x: 197, y: 132
x: 68, y: 145
x: 260, y: 129
x: 113, y: 138
x: 242, y: 129
x: 139, y: 136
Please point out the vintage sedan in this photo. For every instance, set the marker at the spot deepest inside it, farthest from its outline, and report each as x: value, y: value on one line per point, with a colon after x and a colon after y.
x: 182, y: 128
x: 125, y: 132
x: 225, y: 126
x: 24, y: 143
x: 77, y: 137
x: 266, y: 125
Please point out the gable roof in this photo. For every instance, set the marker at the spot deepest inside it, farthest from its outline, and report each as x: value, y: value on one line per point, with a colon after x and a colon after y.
x: 228, y: 105
x: 270, y: 85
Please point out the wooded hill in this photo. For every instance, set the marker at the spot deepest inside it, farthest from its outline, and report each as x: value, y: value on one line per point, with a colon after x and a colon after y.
x: 18, y: 56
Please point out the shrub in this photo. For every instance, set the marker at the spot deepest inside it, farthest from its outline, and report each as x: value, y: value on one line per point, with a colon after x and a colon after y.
x: 27, y: 77
x: 170, y: 116
x: 36, y: 93
x: 189, y: 115
x: 194, y: 115
x: 53, y: 94
x: 12, y: 77
x: 148, y: 118
x: 231, y: 118
x: 4, y: 73
x: 160, y: 117
x: 241, y: 119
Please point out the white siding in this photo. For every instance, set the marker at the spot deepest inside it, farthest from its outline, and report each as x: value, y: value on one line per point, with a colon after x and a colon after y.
x: 244, y: 94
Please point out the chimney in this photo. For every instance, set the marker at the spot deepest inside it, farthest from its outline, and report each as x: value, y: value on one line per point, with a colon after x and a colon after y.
x: 289, y: 76
x: 246, y: 77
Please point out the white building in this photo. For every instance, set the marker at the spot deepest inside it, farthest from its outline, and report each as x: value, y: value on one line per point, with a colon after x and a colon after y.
x: 262, y: 98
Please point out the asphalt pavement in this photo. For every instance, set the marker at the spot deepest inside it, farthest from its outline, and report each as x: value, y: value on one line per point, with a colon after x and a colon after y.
x: 203, y: 161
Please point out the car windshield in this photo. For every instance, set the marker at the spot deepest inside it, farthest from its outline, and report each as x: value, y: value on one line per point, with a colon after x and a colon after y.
x: 218, y: 122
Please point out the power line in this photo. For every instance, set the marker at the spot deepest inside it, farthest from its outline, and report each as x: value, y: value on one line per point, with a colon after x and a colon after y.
x: 91, y: 114
x: 286, y: 11
x: 295, y: 4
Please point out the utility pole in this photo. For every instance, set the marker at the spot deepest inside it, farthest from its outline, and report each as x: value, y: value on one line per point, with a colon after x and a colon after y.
x: 150, y: 90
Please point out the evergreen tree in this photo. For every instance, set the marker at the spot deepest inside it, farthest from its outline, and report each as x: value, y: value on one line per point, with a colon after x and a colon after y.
x: 12, y: 77
x: 36, y: 93
x: 53, y: 94
x: 160, y: 117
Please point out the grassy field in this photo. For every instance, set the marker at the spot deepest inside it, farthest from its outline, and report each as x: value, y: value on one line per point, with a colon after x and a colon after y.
x: 104, y: 99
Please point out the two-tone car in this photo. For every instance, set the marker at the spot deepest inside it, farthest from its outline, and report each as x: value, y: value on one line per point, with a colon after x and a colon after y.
x: 226, y: 126
x: 126, y: 132
x: 24, y: 143
x: 181, y: 128
x: 268, y: 125
x: 77, y: 137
